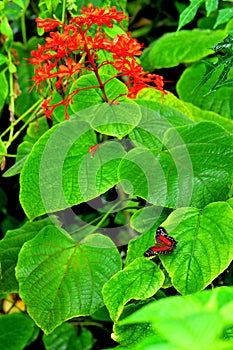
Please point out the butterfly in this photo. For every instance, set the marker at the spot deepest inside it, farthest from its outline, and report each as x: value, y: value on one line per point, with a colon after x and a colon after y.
x: 164, y: 244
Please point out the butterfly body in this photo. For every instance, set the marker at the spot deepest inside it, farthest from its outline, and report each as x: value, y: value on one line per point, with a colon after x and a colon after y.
x: 164, y: 243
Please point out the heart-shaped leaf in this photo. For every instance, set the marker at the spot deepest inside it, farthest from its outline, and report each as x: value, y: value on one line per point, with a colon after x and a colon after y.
x: 194, y: 169
x: 60, y: 279
x: 205, y: 245
x: 59, y: 172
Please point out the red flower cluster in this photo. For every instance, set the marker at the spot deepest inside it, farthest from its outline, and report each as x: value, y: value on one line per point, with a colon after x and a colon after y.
x: 73, y: 49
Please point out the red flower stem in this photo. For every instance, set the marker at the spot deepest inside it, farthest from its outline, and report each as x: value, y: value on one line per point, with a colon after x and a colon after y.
x: 95, y: 68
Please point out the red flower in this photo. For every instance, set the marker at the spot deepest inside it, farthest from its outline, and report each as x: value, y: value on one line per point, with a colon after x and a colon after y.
x: 47, y: 24
x: 77, y: 48
x: 100, y: 16
x: 123, y: 46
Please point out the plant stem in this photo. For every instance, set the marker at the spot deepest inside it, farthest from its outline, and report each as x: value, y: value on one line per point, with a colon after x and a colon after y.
x: 34, y: 107
x: 95, y: 68
x: 63, y: 11
x: 23, y: 30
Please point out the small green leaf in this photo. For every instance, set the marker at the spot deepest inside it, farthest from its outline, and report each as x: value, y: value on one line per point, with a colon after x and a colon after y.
x: 116, y: 119
x: 189, y: 13
x: 211, y: 6
x: 205, y: 245
x: 60, y: 279
x: 3, y: 90
x: 187, y: 46
x: 224, y: 15
x: 3, y: 150
x: 16, y: 331
x: 139, y: 280
x: 22, y: 154
x: 6, y: 30
x: 66, y: 337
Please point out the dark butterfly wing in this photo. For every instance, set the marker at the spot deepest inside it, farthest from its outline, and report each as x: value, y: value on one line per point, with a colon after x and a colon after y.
x: 161, y: 232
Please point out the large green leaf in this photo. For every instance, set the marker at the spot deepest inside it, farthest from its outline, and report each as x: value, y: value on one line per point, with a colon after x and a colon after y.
x: 59, y: 172
x: 199, y: 115
x: 10, y: 247
x: 175, y: 111
x: 195, y: 169
x: 183, y: 320
x: 194, y: 87
x: 60, y: 279
x: 139, y: 280
x: 205, y: 245
x: 180, y: 47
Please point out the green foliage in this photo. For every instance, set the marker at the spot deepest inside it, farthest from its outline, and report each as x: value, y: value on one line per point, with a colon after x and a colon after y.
x: 93, y: 189
x: 180, y: 321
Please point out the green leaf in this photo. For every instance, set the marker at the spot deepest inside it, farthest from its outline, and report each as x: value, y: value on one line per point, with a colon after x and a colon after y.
x: 205, y: 245
x: 192, y: 88
x: 175, y: 111
x: 211, y: 6
x: 66, y: 337
x: 10, y: 247
x: 157, y: 117
x: 22, y: 153
x: 116, y: 119
x: 3, y: 58
x: 60, y: 279
x: 195, y: 169
x: 189, y: 318
x: 139, y: 280
x: 130, y: 335
x: 3, y: 90
x: 16, y: 331
x: 6, y: 30
x: 36, y: 129
x: 169, y: 106
x: 3, y: 150
x: 224, y: 15
x: 25, y: 72
x: 94, y: 96
x: 210, y: 150
x: 60, y: 173
x: 197, y: 114
x: 180, y: 47
x: 22, y: 3
x: 189, y: 13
